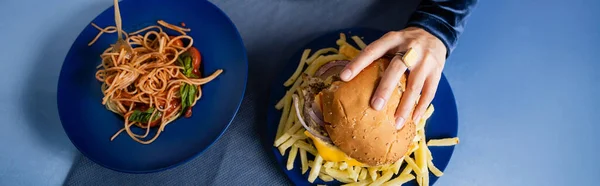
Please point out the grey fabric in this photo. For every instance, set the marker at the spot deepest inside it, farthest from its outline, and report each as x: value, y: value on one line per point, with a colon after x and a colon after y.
x: 272, y: 31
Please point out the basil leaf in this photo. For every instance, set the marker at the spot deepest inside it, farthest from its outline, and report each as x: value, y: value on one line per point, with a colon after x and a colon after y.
x: 135, y: 116
x: 191, y: 95
x: 188, y: 95
x: 188, y: 62
x: 185, y: 61
x: 188, y: 66
x: 144, y: 117
x: 180, y: 62
x: 183, y: 91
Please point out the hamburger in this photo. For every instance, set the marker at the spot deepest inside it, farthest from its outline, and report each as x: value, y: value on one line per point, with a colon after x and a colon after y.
x: 342, y: 125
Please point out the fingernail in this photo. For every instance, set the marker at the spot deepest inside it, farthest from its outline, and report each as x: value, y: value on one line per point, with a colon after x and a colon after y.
x: 399, y: 123
x: 378, y: 103
x: 345, y: 75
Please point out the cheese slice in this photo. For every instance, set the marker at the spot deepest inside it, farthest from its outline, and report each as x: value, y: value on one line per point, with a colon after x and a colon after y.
x: 331, y: 153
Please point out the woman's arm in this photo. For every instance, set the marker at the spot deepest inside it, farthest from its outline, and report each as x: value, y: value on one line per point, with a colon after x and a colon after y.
x: 444, y: 19
x: 430, y: 36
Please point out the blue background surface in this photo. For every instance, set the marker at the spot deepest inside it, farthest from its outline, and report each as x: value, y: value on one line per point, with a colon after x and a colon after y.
x: 523, y: 75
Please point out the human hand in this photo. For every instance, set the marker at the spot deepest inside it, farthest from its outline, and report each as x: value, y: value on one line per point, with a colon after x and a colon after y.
x: 425, y: 70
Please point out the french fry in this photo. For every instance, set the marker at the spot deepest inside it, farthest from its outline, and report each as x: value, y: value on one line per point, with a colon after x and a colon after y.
x: 320, y: 61
x: 425, y: 179
x: 429, y: 153
x: 342, y: 40
x: 325, y: 177
x: 414, y: 148
x: 289, y: 132
x: 429, y: 111
x: 289, y: 93
x: 363, y: 174
x: 360, y: 183
x: 349, y: 51
x: 338, y: 175
x: 353, y: 172
x: 421, y: 158
x: 434, y: 169
x: 300, y: 136
x: 359, y: 42
x: 284, y: 117
x: 426, y: 115
x: 323, y: 168
x: 417, y: 138
x: 372, y: 173
x: 413, y: 165
x: 291, y: 158
x: 443, y: 142
x: 291, y: 119
x: 421, y: 155
x: 319, y: 53
x: 384, y: 178
x: 328, y: 164
x: 305, y: 146
x: 386, y: 167
x: 289, y: 143
x: 402, y: 179
x: 303, y: 159
x: 316, y: 168
x: 343, y: 166
x: 396, y: 166
x: 407, y: 170
x: 301, y: 64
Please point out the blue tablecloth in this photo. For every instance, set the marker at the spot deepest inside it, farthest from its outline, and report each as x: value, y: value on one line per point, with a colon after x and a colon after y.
x: 272, y: 32
x: 524, y: 76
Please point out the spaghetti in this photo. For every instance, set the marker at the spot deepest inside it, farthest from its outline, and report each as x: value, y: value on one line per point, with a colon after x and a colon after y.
x: 154, y: 84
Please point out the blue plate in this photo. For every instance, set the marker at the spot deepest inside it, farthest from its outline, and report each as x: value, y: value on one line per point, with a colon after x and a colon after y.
x: 442, y: 124
x: 90, y: 125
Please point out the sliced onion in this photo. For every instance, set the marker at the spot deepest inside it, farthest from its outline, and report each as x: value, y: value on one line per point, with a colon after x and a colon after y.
x: 301, y: 119
x: 312, y: 113
x: 324, y: 71
x: 316, y: 114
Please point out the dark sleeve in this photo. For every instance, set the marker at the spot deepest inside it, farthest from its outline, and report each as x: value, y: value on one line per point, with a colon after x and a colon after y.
x: 443, y: 18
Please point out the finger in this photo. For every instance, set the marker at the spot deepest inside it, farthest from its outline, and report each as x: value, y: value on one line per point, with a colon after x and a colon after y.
x: 427, y: 95
x: 372, y: 52
x: 415, y: 83
x: 388, y: 83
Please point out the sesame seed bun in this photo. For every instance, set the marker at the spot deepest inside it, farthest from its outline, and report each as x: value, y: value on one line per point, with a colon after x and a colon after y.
x: 361, y: 132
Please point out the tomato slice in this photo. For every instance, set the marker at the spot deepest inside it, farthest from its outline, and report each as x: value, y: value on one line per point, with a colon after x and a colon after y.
x: 196, y: 60
x: 177, y: 42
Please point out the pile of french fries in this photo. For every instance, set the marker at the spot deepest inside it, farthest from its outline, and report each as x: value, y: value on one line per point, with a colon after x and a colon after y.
x: 290, y: 134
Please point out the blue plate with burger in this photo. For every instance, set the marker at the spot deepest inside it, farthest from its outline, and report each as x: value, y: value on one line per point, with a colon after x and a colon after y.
x: 323, y: 131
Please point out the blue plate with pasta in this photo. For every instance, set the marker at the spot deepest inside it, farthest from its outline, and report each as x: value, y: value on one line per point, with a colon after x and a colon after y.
x: 159, y: 93
x: 296, y: 149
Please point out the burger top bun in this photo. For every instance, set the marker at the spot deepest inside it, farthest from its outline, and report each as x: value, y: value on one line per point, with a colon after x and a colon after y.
x: 361, y: 132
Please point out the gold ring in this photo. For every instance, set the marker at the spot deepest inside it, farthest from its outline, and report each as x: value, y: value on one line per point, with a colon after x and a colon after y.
x: 402, y: 58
